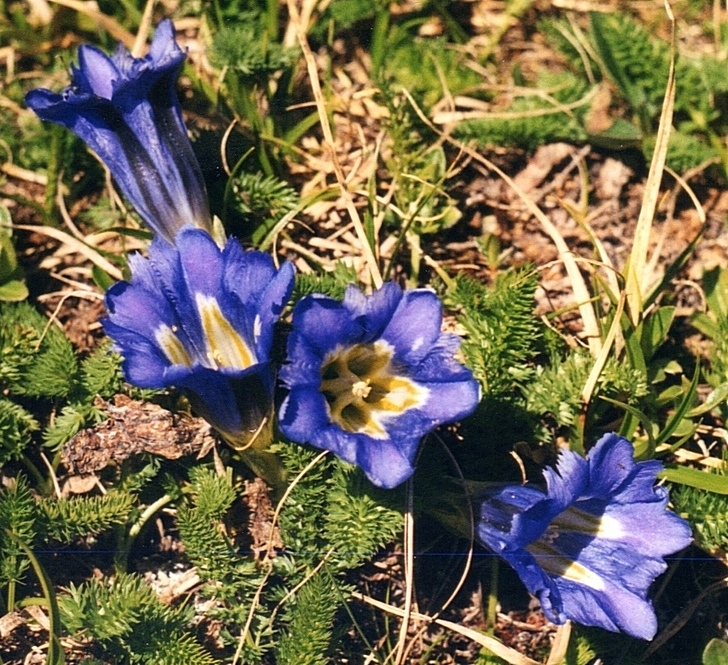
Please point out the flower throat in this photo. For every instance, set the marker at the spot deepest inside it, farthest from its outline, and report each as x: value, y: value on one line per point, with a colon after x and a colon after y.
x: 361, y: 389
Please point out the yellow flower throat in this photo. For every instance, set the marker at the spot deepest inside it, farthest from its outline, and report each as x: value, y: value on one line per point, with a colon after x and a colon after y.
x: 362, y: 391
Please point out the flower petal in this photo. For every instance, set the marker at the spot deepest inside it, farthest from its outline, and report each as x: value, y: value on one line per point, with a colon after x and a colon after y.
x: 373, y: 313
x: 127, y: 111
x: 592, y: 545
x: 354, y: 371
x: 325, y: 324
x: 97, y: 73
x: 415, y: 325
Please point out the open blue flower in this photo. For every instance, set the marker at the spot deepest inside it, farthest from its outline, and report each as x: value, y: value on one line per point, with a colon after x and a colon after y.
x: 370, y: 376
x: 201, y: 319
x: 127, y: 111
x: 589, y: 547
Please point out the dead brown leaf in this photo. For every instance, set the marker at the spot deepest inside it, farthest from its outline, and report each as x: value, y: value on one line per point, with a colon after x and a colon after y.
x: 135, y: 427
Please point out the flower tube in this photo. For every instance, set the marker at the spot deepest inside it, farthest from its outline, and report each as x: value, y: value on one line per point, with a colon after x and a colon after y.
x: 126, y: 110
x: 370, y: 376
x: 201, y: 318
x: 591, y: 545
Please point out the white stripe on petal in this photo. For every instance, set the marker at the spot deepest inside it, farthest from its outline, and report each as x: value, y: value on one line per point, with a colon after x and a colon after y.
x: 557, y: 563
x: 172, y: 347
x: 225, y: 347
x: 581, y: 521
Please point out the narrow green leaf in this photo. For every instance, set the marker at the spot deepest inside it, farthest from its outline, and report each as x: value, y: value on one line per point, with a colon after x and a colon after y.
x: 718, y: 396
x: 706, y: 325
x: 646, y: 421
x: 715, y: 284
x: 681, y: 411
x: 655, y: 329
x: 703, y: 480
x: 56, y: 655
x: 102, y: 279
x: 621, y: 135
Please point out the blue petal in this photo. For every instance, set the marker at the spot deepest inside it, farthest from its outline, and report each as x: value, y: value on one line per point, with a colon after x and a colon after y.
x: 144, y: 364
x: 439, y: 363
x: 247, y: 274
x: 97, y: 73
x: 212, y: 396
x: 260, y: 291
x: 134, y: 307
x: 303, y: 414
x: 386, y: 463
x: 201, y: 261
x: 451, y: 400
x: 303, y: 364
x: 373, y: 313
x: 567, y: 481
x: 272, y: 302
x: 163, y: 45
x: 415, y: 325
x: 126, y: 110
x: 613, y: 609
x: 325, y: 324
x: 651, y: 529
x: 164, y: 267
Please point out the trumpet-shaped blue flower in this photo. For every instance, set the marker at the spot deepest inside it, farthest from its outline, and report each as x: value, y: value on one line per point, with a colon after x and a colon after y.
x: 370, y: 376
x: 201, y: 318
x: 126, y: 110
x: 589, y: 547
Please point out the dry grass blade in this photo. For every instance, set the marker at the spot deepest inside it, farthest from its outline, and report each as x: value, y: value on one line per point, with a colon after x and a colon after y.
x: 106, y: 22
x: 560, y: 645
x: 493, y: 645
x: 603, y: 356
x: 578, y: 285
x: 76, y: 245
x: 372, y: 264
x: 634, y: 271
x: 146, y: 23
x: 468, y: 560
x: 447, y: 117
x: 409, y: 567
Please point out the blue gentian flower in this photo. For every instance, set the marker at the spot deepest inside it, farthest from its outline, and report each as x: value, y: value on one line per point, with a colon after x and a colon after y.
x: 370, y: 376
x: 201, y: 318
x: 591, y: 545
x: 126, y: 110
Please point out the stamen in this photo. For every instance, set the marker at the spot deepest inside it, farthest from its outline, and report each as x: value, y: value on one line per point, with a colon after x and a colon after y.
x: 361, y: 389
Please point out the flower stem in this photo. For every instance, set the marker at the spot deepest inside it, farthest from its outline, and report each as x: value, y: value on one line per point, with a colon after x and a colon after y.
x: 492, y: 612
x: 122, y: 554
x: 55, y: 160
